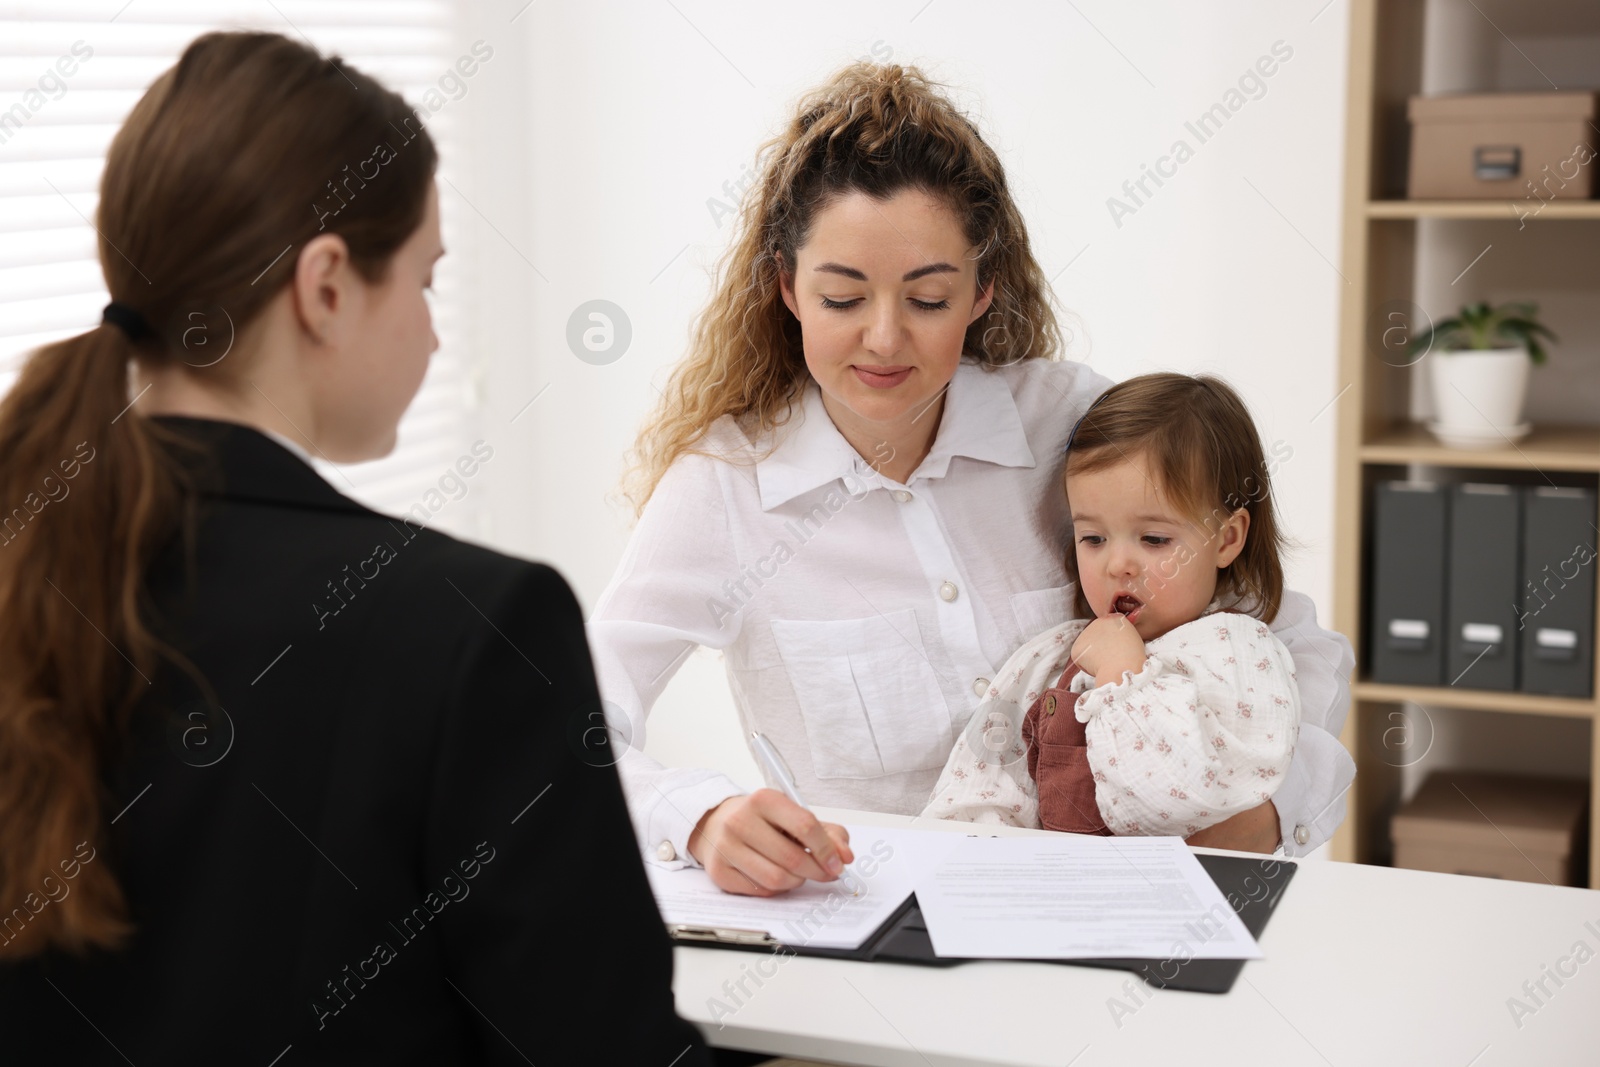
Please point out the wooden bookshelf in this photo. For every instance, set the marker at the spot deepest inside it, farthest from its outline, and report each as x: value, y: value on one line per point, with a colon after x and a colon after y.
x: 1382, y: 258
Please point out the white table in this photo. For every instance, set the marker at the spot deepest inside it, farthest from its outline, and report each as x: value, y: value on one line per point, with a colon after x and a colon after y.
x: 1364, y: 966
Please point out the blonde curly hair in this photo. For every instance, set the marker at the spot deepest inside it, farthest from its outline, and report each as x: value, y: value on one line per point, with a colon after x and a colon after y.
x: 874, y: 129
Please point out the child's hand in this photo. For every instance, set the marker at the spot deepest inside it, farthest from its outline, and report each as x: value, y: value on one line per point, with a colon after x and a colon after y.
x: 1108, y: 646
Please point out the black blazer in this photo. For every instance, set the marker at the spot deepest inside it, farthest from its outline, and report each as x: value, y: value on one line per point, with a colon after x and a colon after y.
x: 401, y: 839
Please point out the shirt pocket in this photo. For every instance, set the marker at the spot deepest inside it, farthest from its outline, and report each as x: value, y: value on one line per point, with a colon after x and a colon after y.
x: 1066, y: 789
x: 868, y: 694
x: 1039, y: 609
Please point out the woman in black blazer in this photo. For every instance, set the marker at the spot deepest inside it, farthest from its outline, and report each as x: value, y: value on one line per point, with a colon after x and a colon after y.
x: 284, y: 780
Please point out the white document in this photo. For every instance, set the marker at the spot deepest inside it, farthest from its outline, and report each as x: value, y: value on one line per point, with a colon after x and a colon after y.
x: 889, y: 865
x: 1079, y: 898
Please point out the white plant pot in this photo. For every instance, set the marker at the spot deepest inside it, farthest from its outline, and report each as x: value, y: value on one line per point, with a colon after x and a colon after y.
x: 1478, y: 396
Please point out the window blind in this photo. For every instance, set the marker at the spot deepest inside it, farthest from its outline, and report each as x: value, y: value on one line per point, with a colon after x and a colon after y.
x: 55, y: 128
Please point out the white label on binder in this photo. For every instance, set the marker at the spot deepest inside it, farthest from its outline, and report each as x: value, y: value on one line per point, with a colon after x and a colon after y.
x: 1482, y: 633
x: 1417, y: 628
x: 1557, y: 638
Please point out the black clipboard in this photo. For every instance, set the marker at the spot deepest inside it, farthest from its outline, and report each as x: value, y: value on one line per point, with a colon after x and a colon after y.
x: 1252, y: 886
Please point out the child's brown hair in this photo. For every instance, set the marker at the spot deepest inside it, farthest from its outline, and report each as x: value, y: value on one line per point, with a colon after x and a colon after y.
x: 1197, y: 437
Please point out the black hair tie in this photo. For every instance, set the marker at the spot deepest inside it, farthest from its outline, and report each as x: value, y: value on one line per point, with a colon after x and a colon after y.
x: 127, y: 320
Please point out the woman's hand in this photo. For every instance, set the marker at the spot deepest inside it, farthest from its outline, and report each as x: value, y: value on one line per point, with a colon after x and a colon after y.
x: 1108, y: 646
x: 764, y: 844
x: 1252, y: 830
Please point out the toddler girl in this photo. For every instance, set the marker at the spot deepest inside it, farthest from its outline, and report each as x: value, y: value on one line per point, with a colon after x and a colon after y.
x: 1173, y: 706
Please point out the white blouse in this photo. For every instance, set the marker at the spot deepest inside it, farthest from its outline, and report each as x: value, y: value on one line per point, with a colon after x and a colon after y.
x: 861, y: 619
x: 1203, y: 730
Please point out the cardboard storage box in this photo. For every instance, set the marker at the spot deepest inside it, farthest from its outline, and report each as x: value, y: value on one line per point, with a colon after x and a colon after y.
x: 1490, y: 146
x: 1495, y: 826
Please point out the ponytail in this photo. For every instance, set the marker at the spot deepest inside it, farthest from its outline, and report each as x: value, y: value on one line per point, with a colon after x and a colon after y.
x: 89, y: 499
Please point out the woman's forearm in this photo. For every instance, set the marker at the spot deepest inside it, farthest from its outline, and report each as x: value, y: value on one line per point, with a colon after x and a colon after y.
x: 1252, y: 830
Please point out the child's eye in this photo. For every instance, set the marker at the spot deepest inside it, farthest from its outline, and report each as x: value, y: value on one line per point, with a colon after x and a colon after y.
x: 1152, y: 539
x: 1091, y: 539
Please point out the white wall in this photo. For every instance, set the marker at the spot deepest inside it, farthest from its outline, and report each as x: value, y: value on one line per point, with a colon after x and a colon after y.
x: 610, y: 124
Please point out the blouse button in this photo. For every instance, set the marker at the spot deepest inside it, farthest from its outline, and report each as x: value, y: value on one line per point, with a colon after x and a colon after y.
x: 980, y: 686
x: 901, y: 496
x: 1050, y: 704
x: 665, y: 852
x: 947, y: 591
x: 1302, y: 834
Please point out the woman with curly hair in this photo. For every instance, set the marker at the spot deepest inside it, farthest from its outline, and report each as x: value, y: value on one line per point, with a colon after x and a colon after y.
x: 844, y: 490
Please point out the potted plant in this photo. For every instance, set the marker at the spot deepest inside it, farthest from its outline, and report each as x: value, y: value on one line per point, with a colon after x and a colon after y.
x: 1480, y: 372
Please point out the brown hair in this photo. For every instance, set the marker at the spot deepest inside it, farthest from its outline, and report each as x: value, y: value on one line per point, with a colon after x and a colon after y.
x: 872, y: 129
x: 1196, y: 436
x: 246, y: 146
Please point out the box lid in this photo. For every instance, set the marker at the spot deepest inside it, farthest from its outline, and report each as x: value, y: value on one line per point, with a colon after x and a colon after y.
x: 1476, y: 107
x: 1496, y: 811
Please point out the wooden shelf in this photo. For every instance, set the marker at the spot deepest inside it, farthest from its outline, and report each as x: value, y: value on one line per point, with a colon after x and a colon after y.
x: 1385, y: 257
x: 1508, y: 210
x: 1476, y: 699
x: 1558, y: 448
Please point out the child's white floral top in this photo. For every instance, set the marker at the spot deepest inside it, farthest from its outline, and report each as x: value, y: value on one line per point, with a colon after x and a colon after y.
x: 1205, y: 730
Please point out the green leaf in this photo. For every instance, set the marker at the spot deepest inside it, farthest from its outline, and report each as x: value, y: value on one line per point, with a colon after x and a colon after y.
x: 1438, y: 335
x: 1480, y: 327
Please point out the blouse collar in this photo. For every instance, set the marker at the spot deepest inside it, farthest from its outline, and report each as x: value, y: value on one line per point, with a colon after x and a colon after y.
x: 980, y: 422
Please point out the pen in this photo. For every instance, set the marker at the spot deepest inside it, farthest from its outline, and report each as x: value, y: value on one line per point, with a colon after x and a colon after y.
x: 778, y: 771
